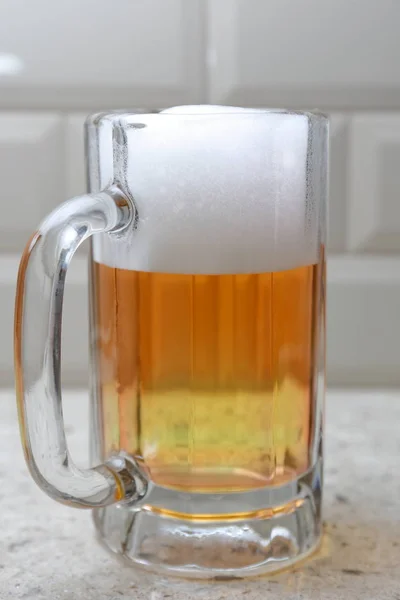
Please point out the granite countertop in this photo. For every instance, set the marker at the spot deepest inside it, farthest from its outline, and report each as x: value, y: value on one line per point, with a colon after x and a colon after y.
x: 49, y: 552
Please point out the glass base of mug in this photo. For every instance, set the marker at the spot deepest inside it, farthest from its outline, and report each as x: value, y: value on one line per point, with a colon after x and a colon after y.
x: 232, y: 535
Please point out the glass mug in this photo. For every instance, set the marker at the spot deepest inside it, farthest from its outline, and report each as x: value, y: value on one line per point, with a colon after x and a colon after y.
x: 207, y: 329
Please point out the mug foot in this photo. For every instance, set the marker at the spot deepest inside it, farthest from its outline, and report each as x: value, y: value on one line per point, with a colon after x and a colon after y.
x: 188, y: 535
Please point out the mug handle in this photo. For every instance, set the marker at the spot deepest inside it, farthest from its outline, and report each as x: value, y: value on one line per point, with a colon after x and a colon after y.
x: 37, y: 335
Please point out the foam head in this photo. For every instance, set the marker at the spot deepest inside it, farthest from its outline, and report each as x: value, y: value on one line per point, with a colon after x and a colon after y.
x: 218, y: 190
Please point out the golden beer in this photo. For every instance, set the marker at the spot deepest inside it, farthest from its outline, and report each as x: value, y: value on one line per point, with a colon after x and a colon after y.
x: 209, y: 380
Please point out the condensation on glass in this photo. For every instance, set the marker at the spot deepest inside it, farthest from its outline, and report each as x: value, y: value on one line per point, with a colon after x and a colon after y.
x: 207, y: 325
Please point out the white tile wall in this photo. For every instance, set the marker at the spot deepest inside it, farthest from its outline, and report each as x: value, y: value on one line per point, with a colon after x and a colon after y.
x: 31, y: 170
x: 97, y: 53
x: 339, y: 167
x: 59, y: 61
x: 75, y: 155
x: 374, y: 201
x: 330, y: 53
x: 363, y: 327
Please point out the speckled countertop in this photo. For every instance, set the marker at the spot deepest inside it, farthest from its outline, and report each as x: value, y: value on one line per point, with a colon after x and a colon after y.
x: 49, y: 552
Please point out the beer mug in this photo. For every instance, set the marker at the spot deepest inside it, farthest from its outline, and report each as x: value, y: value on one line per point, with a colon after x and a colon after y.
x: 207, y: 228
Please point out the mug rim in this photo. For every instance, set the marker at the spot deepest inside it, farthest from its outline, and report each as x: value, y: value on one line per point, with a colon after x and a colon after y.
x: 115, y: 116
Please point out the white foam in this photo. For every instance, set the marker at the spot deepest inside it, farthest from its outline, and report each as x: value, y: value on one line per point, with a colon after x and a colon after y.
x: 203, y: 109
x: 216, y: 193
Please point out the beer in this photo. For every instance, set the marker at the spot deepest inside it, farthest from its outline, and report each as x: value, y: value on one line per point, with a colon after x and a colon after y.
x: 208, y: 380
